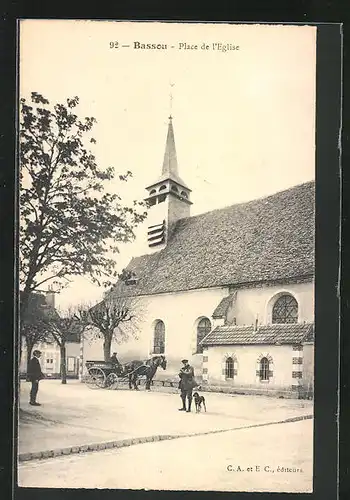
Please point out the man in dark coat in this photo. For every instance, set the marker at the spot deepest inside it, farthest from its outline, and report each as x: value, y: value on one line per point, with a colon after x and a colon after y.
x: 118, y: 366
x: 35, y: 375
x: 186, y: 385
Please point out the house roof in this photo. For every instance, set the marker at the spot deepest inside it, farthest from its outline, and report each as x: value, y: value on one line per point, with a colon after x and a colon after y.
x: 268, y: 239
x: 266, y: 334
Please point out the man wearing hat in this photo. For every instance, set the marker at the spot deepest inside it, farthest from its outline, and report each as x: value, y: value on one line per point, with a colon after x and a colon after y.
x: 35, y: 375
x: 118, y: 366
x: 186, y: 385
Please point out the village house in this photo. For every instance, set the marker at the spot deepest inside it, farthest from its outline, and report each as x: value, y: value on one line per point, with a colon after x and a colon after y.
x: 232, y: 289
x: 50, y: 352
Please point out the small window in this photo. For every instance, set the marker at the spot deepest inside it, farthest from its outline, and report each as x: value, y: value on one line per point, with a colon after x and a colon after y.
x: 184, y: 194
x: 174, y: 188
x: 264, y: 369
x: 153, y: 191
x: 285, y: 310
x: 162, y: 188
x: 159, y: 338
x: 203, y: 328
x: 229, y: 368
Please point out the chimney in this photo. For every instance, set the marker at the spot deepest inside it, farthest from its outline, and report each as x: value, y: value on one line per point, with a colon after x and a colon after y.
x: 50, y: 297
x: 256, y: 323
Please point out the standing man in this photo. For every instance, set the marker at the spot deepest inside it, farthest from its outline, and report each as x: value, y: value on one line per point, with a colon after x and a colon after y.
x: 187, y: 383
x: 35, y: 375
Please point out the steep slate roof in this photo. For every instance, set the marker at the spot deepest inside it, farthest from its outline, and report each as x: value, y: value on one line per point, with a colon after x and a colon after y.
x: 267, y: 239
x: 265, y: 334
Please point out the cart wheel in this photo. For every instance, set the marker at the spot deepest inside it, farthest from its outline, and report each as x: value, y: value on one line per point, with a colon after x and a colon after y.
x: 96, y: 378
x: 112, y: 381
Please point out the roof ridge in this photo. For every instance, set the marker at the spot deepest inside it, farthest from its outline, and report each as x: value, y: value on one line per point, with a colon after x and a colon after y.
x: 261, y: 198
x: 216, y: 210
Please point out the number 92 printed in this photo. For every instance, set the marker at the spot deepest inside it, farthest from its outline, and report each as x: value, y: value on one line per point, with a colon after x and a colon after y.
x: 113, y: 45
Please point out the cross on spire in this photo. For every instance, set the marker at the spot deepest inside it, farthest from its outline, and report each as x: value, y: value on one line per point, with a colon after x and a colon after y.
x: 171, y: 100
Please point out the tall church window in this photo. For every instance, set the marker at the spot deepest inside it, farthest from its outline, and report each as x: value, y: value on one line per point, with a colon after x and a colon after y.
x: 229, y: 368
x: 159, y: 338
x: 285, y: 310
x: 264, y: 369
x: 203, y: 328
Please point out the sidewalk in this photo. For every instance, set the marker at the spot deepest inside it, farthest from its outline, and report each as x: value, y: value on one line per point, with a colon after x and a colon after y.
x: 73, y: 415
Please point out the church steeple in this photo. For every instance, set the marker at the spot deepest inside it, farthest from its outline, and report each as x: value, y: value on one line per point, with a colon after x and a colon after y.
x: 170, y: 159
x: 170, y: 168
x: 168, y: 197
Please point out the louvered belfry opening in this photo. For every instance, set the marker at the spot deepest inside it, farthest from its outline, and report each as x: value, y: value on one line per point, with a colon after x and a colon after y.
x: 156, y: 234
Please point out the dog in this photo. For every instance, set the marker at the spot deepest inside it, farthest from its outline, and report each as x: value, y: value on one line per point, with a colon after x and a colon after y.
x: 199, y: 401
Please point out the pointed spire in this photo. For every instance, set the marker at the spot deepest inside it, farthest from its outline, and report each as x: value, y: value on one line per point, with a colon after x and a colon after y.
x: 170, y: 168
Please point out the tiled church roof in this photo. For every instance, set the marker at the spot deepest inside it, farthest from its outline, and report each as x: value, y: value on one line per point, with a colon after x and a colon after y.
x: 267, y: 239
x: 266, y: 334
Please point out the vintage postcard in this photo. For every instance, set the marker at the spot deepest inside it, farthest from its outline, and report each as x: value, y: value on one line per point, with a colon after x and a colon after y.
x: 167, y: 212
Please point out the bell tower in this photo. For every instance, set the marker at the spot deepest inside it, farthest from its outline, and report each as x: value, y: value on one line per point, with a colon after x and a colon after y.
x: 168, y: 197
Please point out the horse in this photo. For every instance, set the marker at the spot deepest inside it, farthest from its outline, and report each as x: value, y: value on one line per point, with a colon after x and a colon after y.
x: 137, y: 368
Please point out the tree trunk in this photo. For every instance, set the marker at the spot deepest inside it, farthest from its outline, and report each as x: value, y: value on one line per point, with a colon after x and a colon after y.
x: 23, y: 302
x: 107, y: 347
x: 63, y: 363
x: 29, y: 347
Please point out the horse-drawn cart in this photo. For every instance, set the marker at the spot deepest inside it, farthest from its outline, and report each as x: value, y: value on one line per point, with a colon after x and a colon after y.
x: 103, y: 374
x: 106, y: 374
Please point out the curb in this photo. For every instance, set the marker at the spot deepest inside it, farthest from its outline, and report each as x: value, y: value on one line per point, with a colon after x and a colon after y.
x: 70, y: 450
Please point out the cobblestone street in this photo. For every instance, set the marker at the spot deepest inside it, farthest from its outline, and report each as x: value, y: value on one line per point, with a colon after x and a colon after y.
x: 75, y: 415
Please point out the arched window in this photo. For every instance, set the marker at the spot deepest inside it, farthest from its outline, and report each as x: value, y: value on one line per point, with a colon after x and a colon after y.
x: 162, y: 187
x: 153, y: 191
x: 174, y: 188
x: 229, y: 368
x: 264, y: 369
x: 151, y: 202
x: 184, y: 194
x: 285, y: 310
x: 203, y: 328
x: 159, y: 338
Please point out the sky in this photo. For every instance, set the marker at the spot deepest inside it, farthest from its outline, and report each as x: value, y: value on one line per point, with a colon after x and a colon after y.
x: 244, y: 119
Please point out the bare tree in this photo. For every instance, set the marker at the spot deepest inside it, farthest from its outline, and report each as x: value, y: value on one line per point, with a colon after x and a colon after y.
x: 63, y: 328
x: 108, y: 318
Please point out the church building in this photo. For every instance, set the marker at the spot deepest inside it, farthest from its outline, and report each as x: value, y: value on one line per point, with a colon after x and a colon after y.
x: 232, y: 289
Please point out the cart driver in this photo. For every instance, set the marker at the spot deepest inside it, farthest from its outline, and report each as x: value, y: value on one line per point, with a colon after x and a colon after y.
x: 116, y: 362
